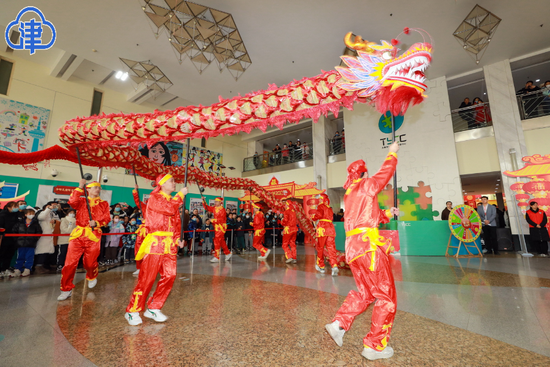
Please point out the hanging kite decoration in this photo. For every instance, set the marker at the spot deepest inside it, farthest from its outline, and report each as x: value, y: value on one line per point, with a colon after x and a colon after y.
x: 378, y: 75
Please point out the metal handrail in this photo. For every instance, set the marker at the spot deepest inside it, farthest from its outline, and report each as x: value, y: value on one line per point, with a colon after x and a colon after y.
x: 534, y: 104
x: 471, y: 117
x: 300, y: 153
x: 337, y: 145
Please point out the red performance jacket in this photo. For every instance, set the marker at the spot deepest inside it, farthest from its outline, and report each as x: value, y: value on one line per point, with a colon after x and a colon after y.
x: 220, y: 217
x: 289, y: 221
x: 163, y: 213
x: 361, y: 199
x: 259, y: 221
x: 324, y: 215
x: 99, y: 208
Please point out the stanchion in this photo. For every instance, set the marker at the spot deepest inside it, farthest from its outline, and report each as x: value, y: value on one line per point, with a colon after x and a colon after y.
x: 193, y: 245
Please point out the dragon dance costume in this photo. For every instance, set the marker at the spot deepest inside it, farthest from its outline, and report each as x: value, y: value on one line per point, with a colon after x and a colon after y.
x: 220, y: 227
x: 84, y: 240
x: 259, y: 233
x: 367, y: 255
x: 289, y: 233
x: 158, y: 250
x: 142, y: 230
x: 325, y: 234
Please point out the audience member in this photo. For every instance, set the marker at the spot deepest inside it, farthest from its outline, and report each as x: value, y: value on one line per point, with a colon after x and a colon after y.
x: 488, y: 215
x: 26, y: 245
x: 249, y: 232
x: 45, y: 248
x: 9, y: 217
x: 129, y: 240
x: 68, y: 223
x: 538, y: 233
x: 445, y: 212
x: 112, y: 243
x: 207, y: 237
x: 239, y: 235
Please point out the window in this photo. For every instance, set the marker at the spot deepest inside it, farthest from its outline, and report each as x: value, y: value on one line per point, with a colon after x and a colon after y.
x: 5, y: 75
x: 203, y: 142
x: 96, y: 102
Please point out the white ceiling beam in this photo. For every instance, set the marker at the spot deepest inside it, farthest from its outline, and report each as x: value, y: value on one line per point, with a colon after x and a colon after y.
x: 66, y: 65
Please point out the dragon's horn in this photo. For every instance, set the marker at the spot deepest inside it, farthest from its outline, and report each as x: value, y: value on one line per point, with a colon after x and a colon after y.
x: 358, y: 44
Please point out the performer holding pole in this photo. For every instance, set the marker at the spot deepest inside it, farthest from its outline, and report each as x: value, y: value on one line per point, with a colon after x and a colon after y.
x: 289, y: 234
x: 91, y: 214
x: 259, y: 233
x: 220, y: 227
x: 325, y: 236
x: 158, y: 252
x: 367, y: 256
x: 142, y: 229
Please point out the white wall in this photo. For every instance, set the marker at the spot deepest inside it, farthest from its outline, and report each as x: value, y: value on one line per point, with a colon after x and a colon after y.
x: 477, y: 156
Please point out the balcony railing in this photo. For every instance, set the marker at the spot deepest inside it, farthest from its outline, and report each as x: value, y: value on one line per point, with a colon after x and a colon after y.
x: 337, y: 145
x: 279, y: 158
x: 473, y: 117
x: 534, y: 104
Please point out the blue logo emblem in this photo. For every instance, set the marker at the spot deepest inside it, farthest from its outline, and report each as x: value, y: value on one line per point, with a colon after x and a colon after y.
x: 31, y: 31
x: 384, y: 124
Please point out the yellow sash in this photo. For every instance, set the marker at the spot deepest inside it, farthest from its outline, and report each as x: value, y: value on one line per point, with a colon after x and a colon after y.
x: 152, y: 239
x: 86, y: 232
x: 325, y: 220
x: 373, y: 236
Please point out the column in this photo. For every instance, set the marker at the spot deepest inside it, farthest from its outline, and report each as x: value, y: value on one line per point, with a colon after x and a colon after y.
x: 321, y: 133
x: 507, y: 127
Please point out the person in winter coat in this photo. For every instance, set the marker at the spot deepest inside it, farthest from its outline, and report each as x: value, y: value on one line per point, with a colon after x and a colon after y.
x: 192, y: 226
x: 68, y: 223
x: 113, y: 240
x: 207, y: 237
x: 8, y: 218
x: 538, y: 233
x: 129, y: 240
x: 26, y: 245
x: 47, y: 218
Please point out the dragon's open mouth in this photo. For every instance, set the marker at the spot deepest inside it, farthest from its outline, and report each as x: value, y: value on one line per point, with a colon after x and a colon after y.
x: 409, y: 69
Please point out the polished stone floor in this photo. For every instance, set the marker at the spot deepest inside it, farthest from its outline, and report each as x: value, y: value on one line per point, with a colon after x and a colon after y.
x: 493, y: 311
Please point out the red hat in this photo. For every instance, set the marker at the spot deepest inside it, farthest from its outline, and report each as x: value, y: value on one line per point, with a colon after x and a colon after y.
x: 219, y: 199
x: 354, y: 172
x: 325, y: 198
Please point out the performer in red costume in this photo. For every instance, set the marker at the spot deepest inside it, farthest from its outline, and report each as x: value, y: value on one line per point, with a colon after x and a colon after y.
x: 158, y: 251
x: 259, y: 233
x: 86, y: 237
x: 220, y: 227
x: 367, y: 256
x: 289, y: 234
x: 325, y: 236
x: 141, y: 231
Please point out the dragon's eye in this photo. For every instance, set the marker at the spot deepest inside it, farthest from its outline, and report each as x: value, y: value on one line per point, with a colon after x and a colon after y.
x: 386, y: 55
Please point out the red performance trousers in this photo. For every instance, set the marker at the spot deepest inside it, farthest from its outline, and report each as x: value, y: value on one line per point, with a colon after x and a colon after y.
x: 258, y: 241
x: 371, y: 285
x: 289, y: 245
x: 76, y: 248
x: 151, y: 265
x: 219, y: 243
x: 328, y: 242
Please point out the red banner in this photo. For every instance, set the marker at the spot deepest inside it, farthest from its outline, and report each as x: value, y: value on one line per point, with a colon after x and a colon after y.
x: 63, y: 190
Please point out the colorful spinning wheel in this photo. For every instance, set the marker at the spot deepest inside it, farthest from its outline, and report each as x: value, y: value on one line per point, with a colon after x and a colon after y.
x: 465, y: 223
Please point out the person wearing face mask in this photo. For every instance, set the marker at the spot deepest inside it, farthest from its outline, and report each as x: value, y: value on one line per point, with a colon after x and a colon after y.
x: 129, y: 240
x: 68, y: 223
x: 45, y: 248
x: 113, y: 240
x: 26, y: 245
x: 249, y: 232
x: 8, y: 219
x: 22, y: 205
x: 193, y: 226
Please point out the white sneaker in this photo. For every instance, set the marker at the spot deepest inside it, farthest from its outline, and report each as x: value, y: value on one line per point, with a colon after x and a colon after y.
x: 26, y: 273
x: 228, y: 257
x: 335, y: 271
x: 156, y: 315
x: 2, y: 274
x: 335, y: 332
x: 289, y: 260
x: 319, y: 269
x: 136, y: 272
x: 133, y: 318
x: 267, y: 254
x: 214, y: 260
x: 9, y: 274
x: 92, y: 283
x: 372, y: 354
x: 64, y: 295
x: 294, y: 261
x: 17, y: 273
x: 484, y: 251
x: 543, y: 255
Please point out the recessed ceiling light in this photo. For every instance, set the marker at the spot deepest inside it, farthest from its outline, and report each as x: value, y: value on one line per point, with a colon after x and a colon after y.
x: 538, y: 80
x: 498, y: 179
x: 484, y: 94
x: 118, y: 74
x: 124, y: 76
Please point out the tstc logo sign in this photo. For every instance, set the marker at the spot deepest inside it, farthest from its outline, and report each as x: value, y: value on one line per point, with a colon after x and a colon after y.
x: 31, y: 31
x: 384, y: 124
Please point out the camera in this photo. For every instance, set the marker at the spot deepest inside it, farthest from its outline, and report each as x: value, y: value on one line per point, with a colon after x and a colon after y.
x: 105, y: 178
x: 54, y: 172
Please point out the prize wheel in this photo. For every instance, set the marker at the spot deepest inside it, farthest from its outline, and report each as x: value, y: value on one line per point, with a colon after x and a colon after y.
x: 465, y: 223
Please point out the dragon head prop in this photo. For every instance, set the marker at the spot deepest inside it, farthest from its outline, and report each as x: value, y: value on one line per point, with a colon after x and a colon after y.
x: 390, y: 81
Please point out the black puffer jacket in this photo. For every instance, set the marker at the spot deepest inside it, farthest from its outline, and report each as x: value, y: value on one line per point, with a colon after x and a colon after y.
x: 33, y: 228
x: 8, y: 220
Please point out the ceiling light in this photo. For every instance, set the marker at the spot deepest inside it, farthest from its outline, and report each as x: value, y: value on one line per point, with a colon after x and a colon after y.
x: 147, y: 73
x: 484, y: 94
x: 118, y: 74
x: 538, y: 80
x: 124, y: 76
